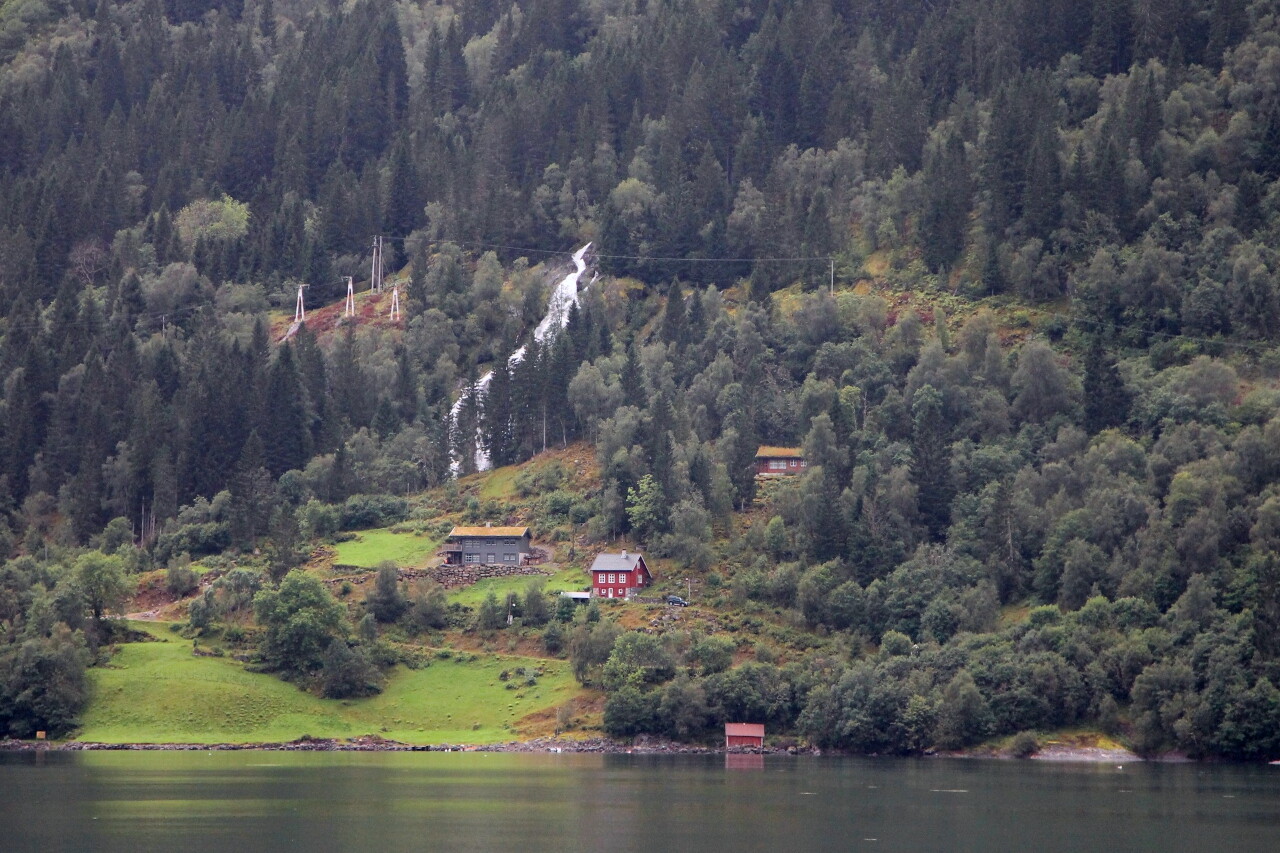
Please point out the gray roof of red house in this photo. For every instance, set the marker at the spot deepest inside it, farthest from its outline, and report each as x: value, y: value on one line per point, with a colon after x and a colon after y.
x: 623, y: 562
x: 744, y: 729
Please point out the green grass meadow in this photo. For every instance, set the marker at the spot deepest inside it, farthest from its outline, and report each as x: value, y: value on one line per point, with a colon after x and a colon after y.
x: 159, y: 692
x: 371, y: 547
x: 571, y: 579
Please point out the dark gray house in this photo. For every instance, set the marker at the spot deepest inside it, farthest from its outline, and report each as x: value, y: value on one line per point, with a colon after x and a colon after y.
x: 487, y: 546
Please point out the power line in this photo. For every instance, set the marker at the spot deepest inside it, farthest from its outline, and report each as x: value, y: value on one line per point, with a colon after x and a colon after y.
x: 654, y: 258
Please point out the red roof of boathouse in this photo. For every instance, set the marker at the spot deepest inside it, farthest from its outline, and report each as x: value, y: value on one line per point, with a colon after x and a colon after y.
x: 743, y: 734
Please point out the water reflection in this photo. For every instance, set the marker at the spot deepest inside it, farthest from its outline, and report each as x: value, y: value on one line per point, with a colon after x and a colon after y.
x: 468, y: 801
x: 743, y: 761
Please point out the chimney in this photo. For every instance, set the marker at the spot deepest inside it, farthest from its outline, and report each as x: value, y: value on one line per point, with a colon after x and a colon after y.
x: 488, y: 524
x: 624, y: 553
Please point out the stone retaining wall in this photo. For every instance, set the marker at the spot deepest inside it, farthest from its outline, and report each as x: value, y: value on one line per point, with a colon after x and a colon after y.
x: 447, y: 576
x: 455, y: 576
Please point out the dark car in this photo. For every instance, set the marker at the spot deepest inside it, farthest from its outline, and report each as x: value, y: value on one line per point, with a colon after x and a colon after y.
x: 676, y: 601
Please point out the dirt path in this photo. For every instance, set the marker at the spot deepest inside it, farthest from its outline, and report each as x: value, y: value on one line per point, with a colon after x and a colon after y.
x: 145, y: 616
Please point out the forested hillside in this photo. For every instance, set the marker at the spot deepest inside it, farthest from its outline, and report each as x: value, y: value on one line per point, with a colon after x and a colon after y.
x: 1005, y: 270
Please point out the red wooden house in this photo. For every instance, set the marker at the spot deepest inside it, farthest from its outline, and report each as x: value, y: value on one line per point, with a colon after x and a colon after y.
x: 777, y: 461
x: 619, y: 575
x: 744, y: 734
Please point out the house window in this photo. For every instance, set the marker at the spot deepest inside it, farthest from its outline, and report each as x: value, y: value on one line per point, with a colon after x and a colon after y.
x: 777, y: 465
x: 508, y: 558
x: 601, y: 581
x: 611, y: 578
x: 473, y: 558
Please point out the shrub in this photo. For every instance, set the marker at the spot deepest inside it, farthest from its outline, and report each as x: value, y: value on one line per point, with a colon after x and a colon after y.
x: 386, y: 603
x: 628, y: 712
x: 318, y: 519
x: 210, y: 537
x: 553, y: 638
x: 533, y: 607
x: 429, y: 607
x: 360, y: 512
x: 557, y: 506
x: 895, y: 644
x: 1024, y: 745
x: 302, y: 622
x: 1043, y: 616
x: 710, y: 654
x: 533, y: 481
x: 347, y: 672
x: 565, y: 609
x: 491, y: 615
x: 42, y: 683
x: 181, y: 580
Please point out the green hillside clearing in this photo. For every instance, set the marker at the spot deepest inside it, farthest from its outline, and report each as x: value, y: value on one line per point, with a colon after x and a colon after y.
x: 159, y: 692
x: 371, y: 547
x: 563, y: 579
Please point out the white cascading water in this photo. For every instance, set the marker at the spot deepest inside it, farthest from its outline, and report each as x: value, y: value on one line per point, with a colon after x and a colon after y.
x: 563, y: 298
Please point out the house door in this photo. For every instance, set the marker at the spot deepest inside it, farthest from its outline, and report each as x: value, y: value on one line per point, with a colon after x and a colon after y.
x: 611, y: 592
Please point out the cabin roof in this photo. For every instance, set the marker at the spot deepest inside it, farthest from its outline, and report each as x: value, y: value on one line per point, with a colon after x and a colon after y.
x: 499, y: 532
x: 744, y: 729
x: 780, y: 453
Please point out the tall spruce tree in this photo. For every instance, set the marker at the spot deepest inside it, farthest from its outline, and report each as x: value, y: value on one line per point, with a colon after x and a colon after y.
x: 1106, y: 399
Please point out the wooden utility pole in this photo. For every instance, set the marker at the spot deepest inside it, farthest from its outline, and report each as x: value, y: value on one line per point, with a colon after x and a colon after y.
x: 833, y: 276
x: 395, y: 302
x: 349, y: 309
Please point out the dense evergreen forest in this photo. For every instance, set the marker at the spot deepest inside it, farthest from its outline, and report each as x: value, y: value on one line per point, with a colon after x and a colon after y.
x: 1074, y: 411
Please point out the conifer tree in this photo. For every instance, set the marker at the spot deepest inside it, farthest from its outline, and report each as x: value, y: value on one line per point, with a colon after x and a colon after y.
x: 944, y: 220
x: 931, y: 460
x: 286, y: 421
x: 1106, y: 400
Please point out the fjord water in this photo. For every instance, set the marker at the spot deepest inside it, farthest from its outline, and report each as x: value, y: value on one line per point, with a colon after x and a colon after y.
x: 223, y: 801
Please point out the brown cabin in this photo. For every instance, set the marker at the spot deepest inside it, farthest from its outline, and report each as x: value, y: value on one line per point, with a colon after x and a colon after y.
x: 779, y: 461
x: 744, y: 734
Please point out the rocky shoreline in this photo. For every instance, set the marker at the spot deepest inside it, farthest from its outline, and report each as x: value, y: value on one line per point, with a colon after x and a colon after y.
x: 373, y: 743
x: 643, y: 746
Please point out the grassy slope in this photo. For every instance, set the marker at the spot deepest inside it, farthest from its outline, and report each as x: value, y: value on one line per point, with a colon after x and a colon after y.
x: 371, y: 547
x: 160, y: 692
x: 500, y: 483
x: 563, y: 579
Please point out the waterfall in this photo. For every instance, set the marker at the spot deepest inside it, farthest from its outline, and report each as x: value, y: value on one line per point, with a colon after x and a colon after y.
x: 563, y: 298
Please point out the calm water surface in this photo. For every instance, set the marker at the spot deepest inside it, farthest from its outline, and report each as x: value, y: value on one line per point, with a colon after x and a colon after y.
x: 480, y: 801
